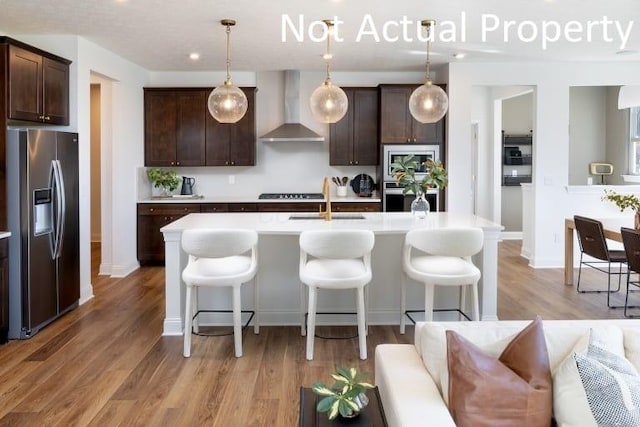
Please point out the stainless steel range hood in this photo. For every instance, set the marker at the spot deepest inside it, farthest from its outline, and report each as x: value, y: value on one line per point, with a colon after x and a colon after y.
x: 292, y: 129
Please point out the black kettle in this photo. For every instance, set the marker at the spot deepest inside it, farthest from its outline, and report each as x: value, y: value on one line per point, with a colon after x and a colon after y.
x: 187, y: 186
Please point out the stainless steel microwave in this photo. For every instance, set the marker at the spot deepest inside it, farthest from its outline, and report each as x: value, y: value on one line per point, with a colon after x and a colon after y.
x: 421, y: 153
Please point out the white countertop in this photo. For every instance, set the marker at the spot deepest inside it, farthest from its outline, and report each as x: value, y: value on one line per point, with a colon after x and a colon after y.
x: 4, y: 234
x: 254, y: 199
x: 280, y: 222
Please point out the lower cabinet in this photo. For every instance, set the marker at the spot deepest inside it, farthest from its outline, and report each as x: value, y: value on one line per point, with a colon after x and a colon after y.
x: 151, y: 218
x: 4, y: 290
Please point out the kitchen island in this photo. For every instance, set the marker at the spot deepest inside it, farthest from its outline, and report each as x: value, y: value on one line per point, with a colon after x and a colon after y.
x: 278, y: 257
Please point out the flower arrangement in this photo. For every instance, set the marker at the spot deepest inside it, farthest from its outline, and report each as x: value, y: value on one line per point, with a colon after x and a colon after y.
x: 622, y: 201
x: 404, y: 171
x: 347, y: 396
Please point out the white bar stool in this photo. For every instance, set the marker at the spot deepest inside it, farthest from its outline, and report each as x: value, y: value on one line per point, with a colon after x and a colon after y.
x: 335, y: 259
x: 442, y: 258
x: 219, y: 258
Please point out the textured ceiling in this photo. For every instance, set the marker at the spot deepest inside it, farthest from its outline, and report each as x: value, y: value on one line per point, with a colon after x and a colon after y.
x: 159, y: 35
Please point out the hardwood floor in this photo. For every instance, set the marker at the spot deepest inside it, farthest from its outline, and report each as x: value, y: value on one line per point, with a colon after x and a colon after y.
x: 106, y: 364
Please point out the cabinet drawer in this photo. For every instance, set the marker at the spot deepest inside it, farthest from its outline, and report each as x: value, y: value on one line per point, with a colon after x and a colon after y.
x: 167, y: 209
x: 356, y: 207
x: 243, y: 207
x: 214, y: 207
x: 4, y: 248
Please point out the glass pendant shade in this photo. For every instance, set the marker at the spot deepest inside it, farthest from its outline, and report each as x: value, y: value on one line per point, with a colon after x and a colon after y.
x: 227, y: 103
x: 328, y: 103
x: 428, y: 103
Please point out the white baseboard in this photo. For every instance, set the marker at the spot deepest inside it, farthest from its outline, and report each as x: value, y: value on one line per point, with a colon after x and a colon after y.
x: 511, y: 235
x: 124, y: 270
x: 105, y: 269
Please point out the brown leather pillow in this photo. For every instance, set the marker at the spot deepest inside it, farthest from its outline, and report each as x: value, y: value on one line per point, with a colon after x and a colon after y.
x: 513, y: 390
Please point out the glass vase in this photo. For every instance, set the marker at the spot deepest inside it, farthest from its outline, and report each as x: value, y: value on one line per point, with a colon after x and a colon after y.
x: 420, y: 206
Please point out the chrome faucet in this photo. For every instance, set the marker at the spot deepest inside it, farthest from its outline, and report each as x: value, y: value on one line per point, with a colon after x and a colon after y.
x: 326, y: 192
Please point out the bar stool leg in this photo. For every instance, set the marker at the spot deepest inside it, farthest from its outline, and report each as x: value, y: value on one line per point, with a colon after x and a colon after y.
x: 362, y: 334
x: 311, y: 321
x: 256, y: 306
x: 428, y: 302
x: 237, y: 321
x: 475, y: 315
x: 463, y: 302
x: 403, y: 303
x: 303, y: 303
x: 186, y: 351
x: 194, y: 309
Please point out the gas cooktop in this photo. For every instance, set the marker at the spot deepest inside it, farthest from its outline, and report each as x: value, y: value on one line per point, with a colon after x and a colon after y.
x: 292, y: 196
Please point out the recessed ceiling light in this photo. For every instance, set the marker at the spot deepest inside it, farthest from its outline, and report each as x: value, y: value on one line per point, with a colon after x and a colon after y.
x: 459, y: 55
x: 194, y: 56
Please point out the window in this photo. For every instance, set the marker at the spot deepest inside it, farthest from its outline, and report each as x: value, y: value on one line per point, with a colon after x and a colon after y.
x: 634, y: 140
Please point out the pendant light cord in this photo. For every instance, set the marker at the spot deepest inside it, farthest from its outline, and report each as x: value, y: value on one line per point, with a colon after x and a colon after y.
x: 228, y: 31
x: 428, y: 26
x: 327, y: 54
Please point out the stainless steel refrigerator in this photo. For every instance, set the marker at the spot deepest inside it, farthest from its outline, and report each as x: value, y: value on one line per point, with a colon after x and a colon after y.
x: 44, y: 255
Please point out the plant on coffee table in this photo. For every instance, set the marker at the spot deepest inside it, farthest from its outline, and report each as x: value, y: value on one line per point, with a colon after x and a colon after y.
x: 347, y: 396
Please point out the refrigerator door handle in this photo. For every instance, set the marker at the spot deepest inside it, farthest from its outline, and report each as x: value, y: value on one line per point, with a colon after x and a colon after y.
x: 53, y: 236
x: 61, y: 207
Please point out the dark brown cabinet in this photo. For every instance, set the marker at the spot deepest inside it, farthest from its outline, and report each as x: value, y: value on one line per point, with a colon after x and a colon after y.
x: 174, y: 123
x: 179, y: 131
x: 151, y: 218
x: 356, y: 207
x: 4, y: 290
x: 290, y: 207
x: 38, y: 86
x: 354, y: 139
x: 233, y: 144
x: 397, y: 126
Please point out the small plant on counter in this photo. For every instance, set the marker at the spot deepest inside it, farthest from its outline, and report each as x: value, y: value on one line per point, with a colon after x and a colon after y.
x: 404, y: 171
x: 622, y: 201
x: 167, y: 180
x: 347, y: 396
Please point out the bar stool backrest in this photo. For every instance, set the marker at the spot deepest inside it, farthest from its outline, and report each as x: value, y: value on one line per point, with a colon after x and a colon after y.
x: 454, y: 242
x: 218, y: 243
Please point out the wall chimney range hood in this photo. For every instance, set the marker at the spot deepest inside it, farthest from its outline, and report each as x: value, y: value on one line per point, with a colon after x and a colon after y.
x: 292, y: 129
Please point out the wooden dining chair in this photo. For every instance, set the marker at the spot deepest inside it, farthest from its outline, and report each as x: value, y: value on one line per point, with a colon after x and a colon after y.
x: 594, y: 245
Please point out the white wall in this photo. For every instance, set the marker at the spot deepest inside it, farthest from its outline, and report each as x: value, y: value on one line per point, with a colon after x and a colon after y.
x: 551, y: 137
x: 587, y: 131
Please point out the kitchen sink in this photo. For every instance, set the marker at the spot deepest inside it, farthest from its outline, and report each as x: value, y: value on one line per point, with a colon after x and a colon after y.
x: 334, y: 216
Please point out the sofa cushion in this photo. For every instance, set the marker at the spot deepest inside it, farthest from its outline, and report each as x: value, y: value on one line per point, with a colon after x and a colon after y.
x: 514, y: 389
x: 596, y: 387
x: 561, y: 336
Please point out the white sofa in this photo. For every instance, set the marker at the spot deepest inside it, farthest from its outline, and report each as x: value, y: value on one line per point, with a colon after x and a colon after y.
x: 408, y: 376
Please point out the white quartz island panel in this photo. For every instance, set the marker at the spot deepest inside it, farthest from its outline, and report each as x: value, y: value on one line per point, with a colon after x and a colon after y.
x: 278, y: 265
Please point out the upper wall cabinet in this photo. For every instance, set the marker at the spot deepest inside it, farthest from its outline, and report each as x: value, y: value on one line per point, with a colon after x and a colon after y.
x: 354, y: 139
x: 397, y: 126
x: 38, y: 85
x: 179, y: 131
x: 174, y: 127
x: 233, y: 144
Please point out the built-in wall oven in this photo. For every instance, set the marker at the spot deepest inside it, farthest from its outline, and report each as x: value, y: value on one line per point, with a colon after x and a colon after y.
x: 392, y: 198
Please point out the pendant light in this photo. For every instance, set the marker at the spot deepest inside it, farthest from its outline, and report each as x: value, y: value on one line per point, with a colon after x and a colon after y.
x: 227, y: 103
x: 328, y: 102
x: 428, y: 103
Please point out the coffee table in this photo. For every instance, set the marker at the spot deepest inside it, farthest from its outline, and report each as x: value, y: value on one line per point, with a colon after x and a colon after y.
x: 371, y: 416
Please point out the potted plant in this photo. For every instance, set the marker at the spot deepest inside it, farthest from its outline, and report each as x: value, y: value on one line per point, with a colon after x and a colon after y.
x: 166, y: 180
x: 624, y: 201
x: 404, y: 171
x: 347, y: 396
